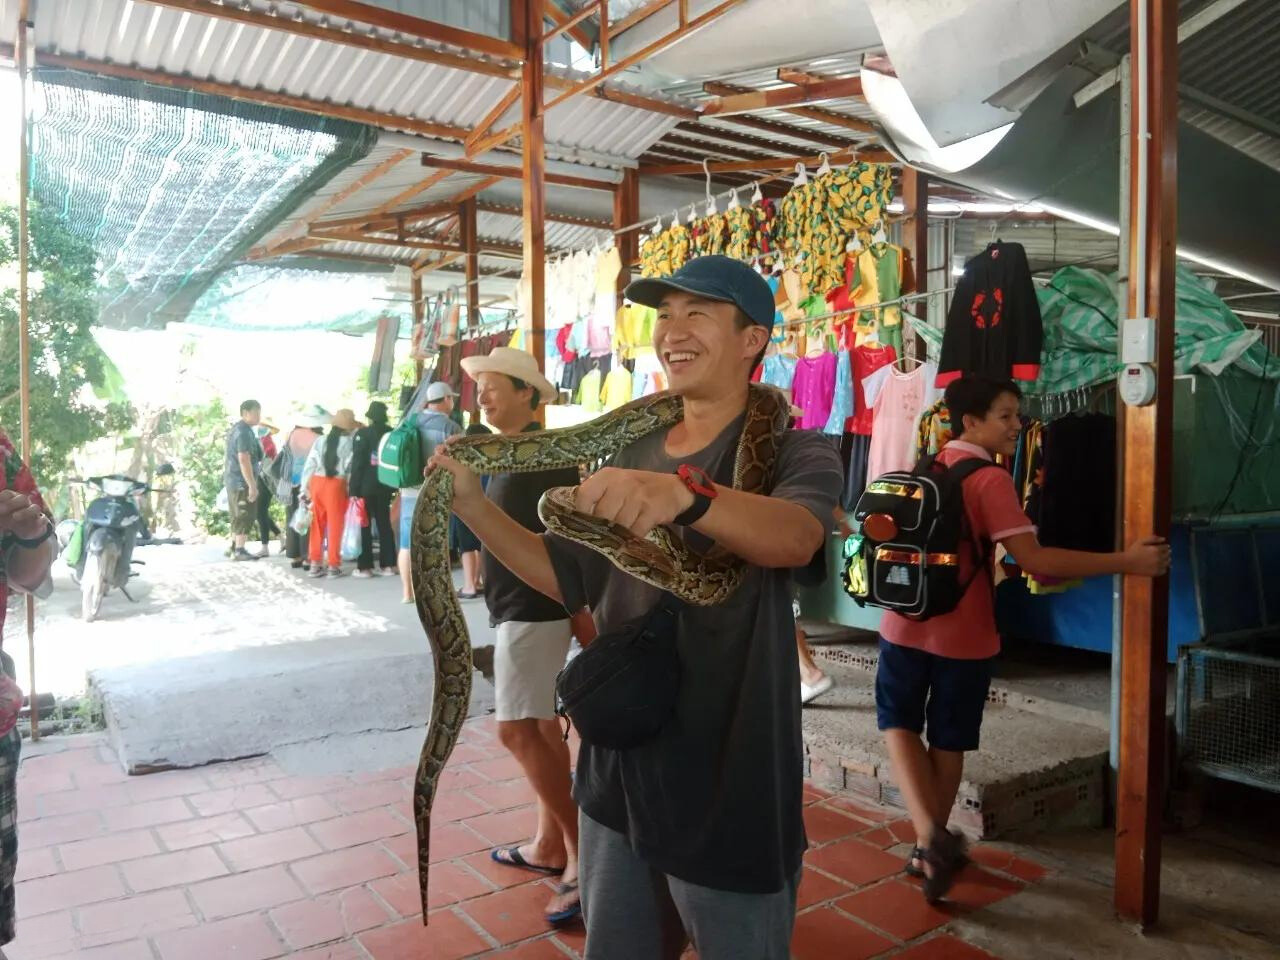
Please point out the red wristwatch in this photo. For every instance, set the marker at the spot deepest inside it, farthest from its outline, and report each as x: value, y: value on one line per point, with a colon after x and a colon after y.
x: 703, y: 489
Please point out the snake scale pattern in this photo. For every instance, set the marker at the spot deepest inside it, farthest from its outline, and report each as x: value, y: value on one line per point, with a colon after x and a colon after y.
x: 659, y: 559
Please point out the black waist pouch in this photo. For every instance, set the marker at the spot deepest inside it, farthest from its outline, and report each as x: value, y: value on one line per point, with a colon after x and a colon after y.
x: 621, y: 690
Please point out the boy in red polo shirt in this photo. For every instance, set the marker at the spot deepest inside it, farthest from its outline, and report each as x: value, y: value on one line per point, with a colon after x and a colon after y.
x: 938, y: 670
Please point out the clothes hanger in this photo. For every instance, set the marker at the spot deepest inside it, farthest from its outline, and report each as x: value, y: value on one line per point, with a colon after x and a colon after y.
x: 802, y: 176
x: 733, y: 200
x: 757, y: 195
x: 823, y: 167
x: 693, y: 214
x: 880, y: 236
x: 711, y: 200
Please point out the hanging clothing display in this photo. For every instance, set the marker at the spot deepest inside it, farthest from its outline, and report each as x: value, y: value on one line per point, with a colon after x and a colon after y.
x: 617, y: 388
x: 665, y: 252
x: 898, y: 399
x: 1078, y: 502
x: 855, y: 452
x: 935, y: 431
x: 740, y: 228
x: 993, y: 326
x: 841, y: 396
x: 866, y: 359
x: 779, y: 371
x: 812, y: 389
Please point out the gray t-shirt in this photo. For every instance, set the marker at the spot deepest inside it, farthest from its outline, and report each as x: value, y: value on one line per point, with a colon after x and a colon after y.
x: 240, y: 440
x: 715, y: 800
x: 434, y: 428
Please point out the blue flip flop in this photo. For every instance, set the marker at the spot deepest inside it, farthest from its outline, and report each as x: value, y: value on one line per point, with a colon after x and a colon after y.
x: 512, y: 858
x: 569, y: 914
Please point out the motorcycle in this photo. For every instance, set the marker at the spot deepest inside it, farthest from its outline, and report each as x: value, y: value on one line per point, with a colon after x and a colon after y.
x: 99, y: 548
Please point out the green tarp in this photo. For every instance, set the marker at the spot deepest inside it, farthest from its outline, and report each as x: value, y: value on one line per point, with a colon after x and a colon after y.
x: 172, y: 186
x: 1079, y: 311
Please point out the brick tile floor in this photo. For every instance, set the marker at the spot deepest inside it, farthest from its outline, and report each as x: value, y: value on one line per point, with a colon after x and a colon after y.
x: 242, y: 860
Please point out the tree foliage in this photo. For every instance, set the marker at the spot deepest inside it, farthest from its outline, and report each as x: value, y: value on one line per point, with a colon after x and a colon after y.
x: 65, y: 357
x: 200, y: 440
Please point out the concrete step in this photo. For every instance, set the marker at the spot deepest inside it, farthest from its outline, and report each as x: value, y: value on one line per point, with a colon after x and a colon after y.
x: 1032, y: 772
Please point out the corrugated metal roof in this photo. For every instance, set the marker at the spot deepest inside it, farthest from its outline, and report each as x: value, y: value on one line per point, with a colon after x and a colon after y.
x: 182, y: 43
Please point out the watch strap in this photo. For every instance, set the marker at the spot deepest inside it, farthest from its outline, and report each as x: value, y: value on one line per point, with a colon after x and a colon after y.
x: 701, y: 504
x: 34, y: 541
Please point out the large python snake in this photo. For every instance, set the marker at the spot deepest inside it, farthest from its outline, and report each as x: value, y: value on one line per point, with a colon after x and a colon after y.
x: 660, y: 559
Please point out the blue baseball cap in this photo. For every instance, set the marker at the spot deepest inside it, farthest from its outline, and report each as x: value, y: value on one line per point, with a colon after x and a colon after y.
x: 716, y: 278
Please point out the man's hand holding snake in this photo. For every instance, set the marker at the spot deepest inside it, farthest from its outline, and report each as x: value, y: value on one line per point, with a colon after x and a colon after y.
x: 636, y: 499
x: 467, y: 491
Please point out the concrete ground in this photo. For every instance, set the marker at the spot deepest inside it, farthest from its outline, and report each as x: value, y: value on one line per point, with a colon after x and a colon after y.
x: 221, y: 660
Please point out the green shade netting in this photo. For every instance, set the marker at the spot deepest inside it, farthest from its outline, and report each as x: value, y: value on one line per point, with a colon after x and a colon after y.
x: 258, y: 297
x: 173, y: 186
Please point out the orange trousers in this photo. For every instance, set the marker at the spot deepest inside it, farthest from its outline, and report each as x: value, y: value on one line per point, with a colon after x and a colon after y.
x: 328, y: 513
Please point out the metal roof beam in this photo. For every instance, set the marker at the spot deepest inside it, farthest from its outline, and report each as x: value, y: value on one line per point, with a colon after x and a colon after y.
x: 1207, y: 15
x: 412, y: 26
x: 771, y: 163
x: 271, y: 19
x: 783, y: 130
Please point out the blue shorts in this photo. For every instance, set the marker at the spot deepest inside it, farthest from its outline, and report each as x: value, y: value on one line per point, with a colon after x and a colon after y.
x: 408, y: 501
x: 913, y: 686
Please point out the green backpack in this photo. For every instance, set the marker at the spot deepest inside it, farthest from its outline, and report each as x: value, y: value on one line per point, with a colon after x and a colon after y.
x: 400, y: 456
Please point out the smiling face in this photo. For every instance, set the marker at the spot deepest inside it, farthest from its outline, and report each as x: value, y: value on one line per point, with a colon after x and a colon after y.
x: 999, y: 429
x: 705, y: 348
x: 508, y: 409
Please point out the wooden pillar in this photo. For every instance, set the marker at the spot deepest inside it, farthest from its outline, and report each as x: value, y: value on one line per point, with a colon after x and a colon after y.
x: 471, y: 251
x: 526, y: 25
x: 915, y: 242
x: 626, y: 211
x: 419, y: 315
x: 1148, y: 449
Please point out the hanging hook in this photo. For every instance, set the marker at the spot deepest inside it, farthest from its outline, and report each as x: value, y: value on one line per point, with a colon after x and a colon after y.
x: 802, y: 175
x: 733, y: 199
x: 824, y: 166
x: 757, y: 195
x: 693, y: 213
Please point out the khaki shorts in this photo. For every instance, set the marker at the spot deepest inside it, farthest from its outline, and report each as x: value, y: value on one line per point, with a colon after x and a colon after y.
x: 243, y: 513
x: 527, y: 657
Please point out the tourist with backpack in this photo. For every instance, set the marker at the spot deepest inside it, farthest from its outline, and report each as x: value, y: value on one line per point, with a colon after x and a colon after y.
x: 925, y: 554
x: 404, y: 454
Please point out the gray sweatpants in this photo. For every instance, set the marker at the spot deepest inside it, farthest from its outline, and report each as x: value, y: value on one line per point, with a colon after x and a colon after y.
x: 633, y: 912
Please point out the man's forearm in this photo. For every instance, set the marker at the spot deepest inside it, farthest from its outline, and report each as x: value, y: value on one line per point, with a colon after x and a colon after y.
x: 518, y: 549
x: 246, y: 470
x: 764, y: 531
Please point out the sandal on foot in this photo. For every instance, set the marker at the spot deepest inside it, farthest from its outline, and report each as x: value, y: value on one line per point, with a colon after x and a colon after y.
x: 511, y: 857
x: 911, y: 870
x: 570, y: 913
x: 946, y: 854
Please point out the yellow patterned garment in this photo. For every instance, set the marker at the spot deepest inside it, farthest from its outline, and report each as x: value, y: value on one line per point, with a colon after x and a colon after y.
x: 710, y: 235
x: 664, y: 253
x: 633, y: 331
x: 741, y: 228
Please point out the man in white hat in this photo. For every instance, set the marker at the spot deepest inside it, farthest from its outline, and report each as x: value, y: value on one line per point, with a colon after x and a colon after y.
x: 435, y: 426
x: 696, y: 833
x: 533, y: 631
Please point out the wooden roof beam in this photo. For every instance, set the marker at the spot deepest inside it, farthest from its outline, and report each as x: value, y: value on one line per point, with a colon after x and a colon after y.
x: 640, y: 102
x: 783, y: 97
x: 639, y: 16
x: 412, y: 26
x: 351, y: 189
x: 270, y: 19
x: 408, y: 243
x: 550, y: 217
x: 729, y: 91
x: 786, y: 130
x: 703, y: 147
x: 562, y: 23
x: 512, y: 173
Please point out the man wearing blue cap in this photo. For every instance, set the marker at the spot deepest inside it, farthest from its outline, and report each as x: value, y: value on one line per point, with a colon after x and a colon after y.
x: 696, y: 835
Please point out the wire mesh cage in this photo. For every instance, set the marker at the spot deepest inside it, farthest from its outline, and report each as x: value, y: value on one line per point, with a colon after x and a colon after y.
x: 1227, y: 717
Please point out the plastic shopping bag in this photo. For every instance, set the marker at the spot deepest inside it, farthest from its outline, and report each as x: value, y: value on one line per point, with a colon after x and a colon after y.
x: 351, y: 528
x: 222, y: 504
x: 301, y: 521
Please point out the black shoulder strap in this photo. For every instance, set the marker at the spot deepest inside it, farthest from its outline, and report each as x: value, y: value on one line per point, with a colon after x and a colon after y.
x: 983, y: 552
x: 968, y: 467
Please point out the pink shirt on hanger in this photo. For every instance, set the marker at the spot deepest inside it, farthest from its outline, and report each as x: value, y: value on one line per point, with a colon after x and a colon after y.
x: 898, y: 400
x: 813, y: 388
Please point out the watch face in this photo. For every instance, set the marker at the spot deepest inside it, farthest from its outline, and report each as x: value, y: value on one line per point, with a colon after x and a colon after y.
x: 696, y: 479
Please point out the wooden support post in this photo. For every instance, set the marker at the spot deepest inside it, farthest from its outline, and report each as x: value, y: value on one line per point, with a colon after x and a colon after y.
x: 626, y: 211
x: 21, y: 54
x: 471, y: 267
x: 419, y: 317
x: 1148, y: 458
x: 915, y: 242
x: 526, y: 22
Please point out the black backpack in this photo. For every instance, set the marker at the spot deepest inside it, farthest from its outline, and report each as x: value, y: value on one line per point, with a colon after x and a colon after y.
x: 912, y: 527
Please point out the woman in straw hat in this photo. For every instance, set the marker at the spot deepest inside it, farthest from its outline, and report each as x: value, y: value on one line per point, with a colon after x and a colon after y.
x: 325, y: 479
